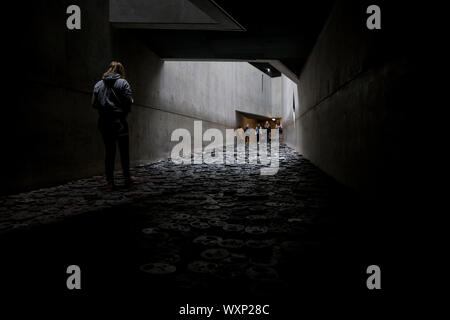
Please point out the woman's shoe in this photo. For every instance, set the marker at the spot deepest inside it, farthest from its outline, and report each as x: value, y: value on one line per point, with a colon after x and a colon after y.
x: 110, y: 187
x: 130, y: 181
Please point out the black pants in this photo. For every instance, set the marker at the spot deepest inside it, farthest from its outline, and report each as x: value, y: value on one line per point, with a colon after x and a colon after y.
x: 115, y: 132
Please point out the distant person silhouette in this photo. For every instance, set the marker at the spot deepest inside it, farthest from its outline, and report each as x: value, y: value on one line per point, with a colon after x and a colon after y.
x: 257, y: 132
x: 267, y: 127
x: 247, y: 133
x: 112, y: 98
x: 279, y: 128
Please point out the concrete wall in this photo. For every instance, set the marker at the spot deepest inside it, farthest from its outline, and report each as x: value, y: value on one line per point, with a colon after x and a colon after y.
x: 289, y: 98
x: 172, y: 94
x: 353, y: 118
x: 55, y: 138
x: 276, y: 97
x: 51, y: 125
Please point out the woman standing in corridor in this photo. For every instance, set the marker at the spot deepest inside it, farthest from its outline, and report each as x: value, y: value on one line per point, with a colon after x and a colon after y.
x: 112, y: 98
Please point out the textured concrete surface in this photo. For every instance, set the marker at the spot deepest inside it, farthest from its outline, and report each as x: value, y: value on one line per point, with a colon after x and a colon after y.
x: 157, y: 12
x: 354, y: 117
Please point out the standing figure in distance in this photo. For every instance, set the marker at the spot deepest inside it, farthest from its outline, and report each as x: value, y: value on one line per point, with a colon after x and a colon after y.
x: 267, y: 127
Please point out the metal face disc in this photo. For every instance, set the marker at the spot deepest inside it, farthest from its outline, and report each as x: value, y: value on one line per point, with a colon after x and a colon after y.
x: 158, y: 268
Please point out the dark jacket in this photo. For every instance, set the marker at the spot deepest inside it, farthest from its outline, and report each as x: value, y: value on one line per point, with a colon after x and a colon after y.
x: 112, y: 96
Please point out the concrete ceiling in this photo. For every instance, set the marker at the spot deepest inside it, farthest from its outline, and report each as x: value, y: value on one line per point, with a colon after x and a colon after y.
x: 267, y: 68
x: 282, y: 31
